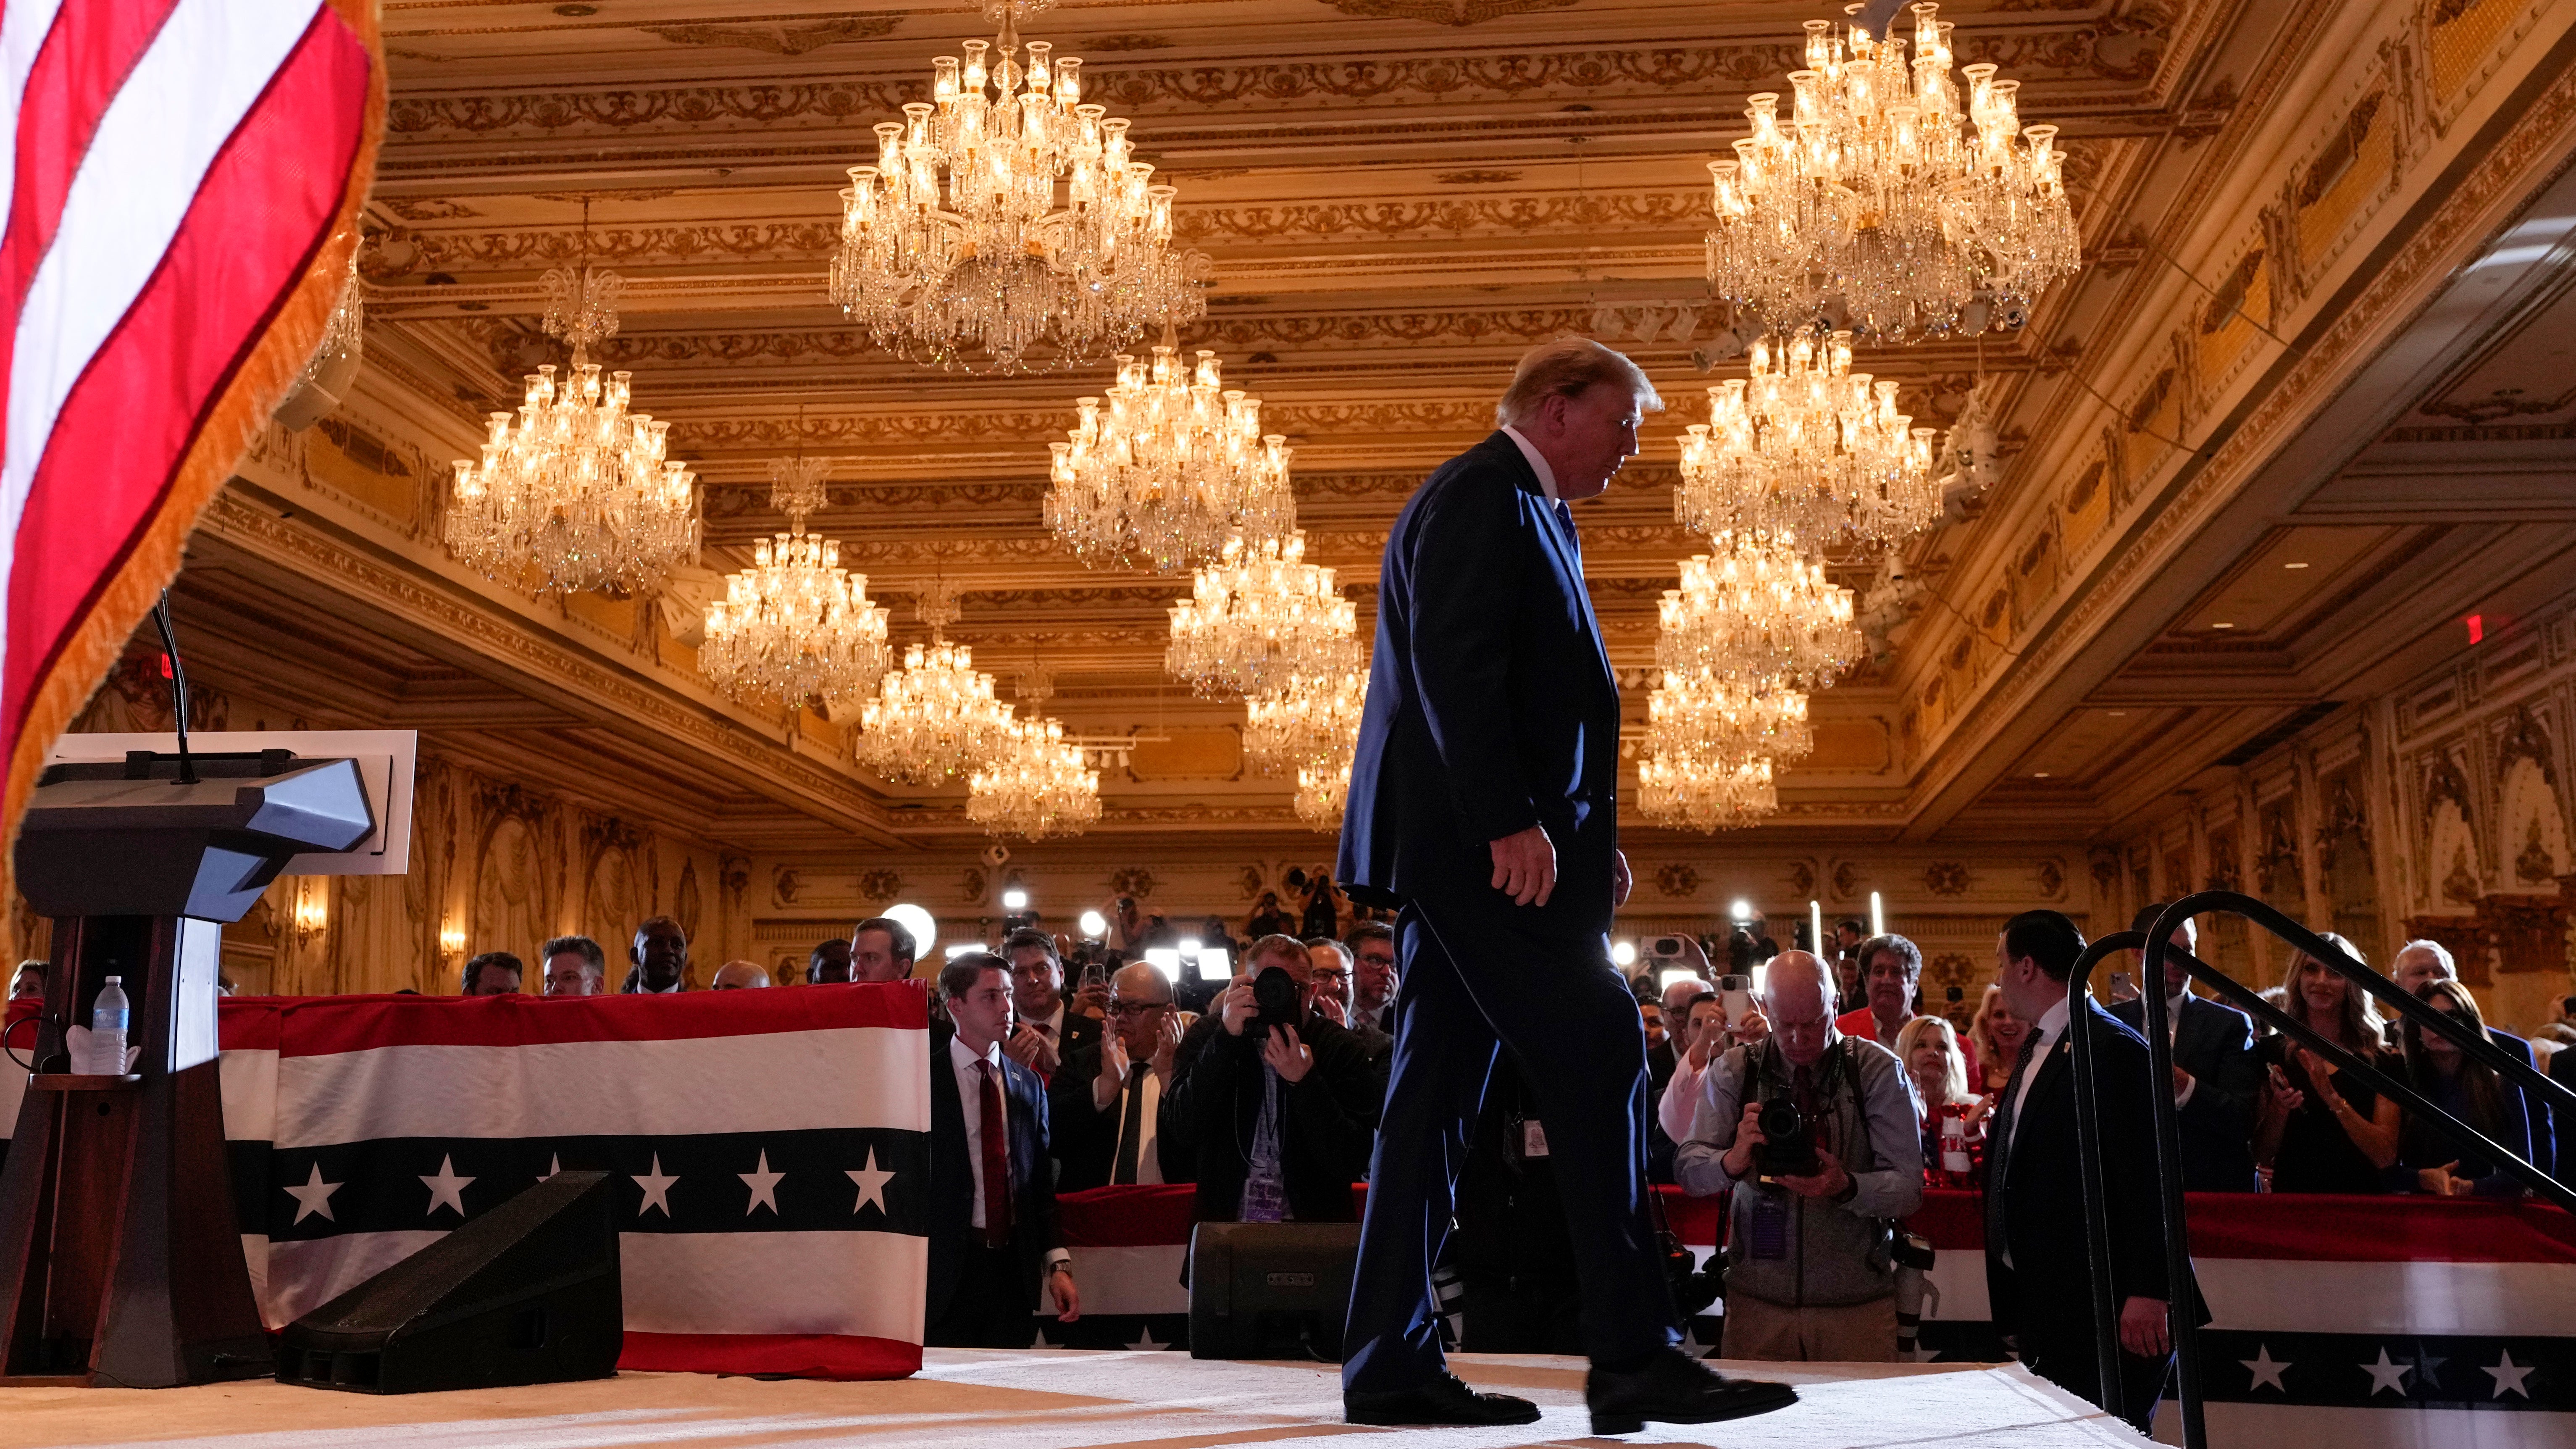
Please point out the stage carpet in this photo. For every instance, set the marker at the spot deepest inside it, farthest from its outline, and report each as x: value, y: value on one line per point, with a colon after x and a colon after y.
x: 974, y: 1400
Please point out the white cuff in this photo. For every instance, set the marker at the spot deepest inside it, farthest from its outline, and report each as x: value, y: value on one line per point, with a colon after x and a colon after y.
x: 1058, y: 1258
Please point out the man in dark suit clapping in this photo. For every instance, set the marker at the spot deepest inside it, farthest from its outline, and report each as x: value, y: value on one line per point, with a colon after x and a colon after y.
x: 2037, y: 1266
x: 993, y: 1227
x: 2216, y: 1074
x: 1484, y: 800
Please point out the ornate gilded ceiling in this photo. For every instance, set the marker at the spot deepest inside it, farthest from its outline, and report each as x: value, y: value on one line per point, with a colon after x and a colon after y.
x: 1397, y: 197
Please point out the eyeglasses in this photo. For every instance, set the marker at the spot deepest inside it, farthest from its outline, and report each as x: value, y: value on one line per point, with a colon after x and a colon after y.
x: 1326, y: 978
x: 1136, y: 1008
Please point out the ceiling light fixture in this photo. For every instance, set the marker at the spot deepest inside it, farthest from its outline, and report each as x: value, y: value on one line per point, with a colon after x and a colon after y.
x: 1757, y: 609
x: 574, y: 483
x: 1037, y: 785
x: 1168, y: 467
x: 1881, y: 201
x: 1258, y: 618
x: 795, y: 626
x: 953, y: 248
x: 1807, y: 447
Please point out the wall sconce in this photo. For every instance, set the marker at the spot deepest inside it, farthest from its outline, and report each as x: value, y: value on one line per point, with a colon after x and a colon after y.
x: 312, y: 914
x: 451, y: 940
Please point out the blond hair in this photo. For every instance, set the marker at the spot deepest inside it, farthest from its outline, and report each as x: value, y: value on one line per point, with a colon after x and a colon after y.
x: 1954, y: 1067
x: 1570, y: 367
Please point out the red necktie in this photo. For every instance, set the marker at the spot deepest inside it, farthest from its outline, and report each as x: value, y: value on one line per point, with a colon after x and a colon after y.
x: 997, y: 1162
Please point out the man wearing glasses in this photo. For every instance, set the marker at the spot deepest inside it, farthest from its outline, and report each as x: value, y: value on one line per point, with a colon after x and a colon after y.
x: 1330, y: 994
x: 1107, y: 1099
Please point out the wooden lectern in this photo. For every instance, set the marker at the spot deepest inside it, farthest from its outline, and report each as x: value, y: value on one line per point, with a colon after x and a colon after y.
x: 120, y: 1262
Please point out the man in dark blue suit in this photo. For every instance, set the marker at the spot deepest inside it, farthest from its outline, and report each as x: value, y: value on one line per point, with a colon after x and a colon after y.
x: 993, y: 1226
x: 1483, y: 801
x: 2038, y: 1267
x: 2216, y: 1074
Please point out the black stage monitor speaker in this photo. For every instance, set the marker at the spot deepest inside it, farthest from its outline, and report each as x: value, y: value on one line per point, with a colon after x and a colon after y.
x: 1271, y: 1290
x: 527, y: 1293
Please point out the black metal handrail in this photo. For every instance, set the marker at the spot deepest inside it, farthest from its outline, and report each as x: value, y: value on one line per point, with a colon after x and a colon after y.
x: 2156, y: 1012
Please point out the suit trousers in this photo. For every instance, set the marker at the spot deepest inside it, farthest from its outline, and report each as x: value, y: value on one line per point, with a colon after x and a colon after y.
x: 1474, y: 978
x: 995, y: 1304
x: 2053, y: 1333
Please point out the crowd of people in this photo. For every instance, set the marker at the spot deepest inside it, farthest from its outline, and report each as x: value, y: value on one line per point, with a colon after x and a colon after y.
x: 1821, y: 1104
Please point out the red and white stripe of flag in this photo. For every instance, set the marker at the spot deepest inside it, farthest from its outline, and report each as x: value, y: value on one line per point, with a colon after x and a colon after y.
x: 179, y: 187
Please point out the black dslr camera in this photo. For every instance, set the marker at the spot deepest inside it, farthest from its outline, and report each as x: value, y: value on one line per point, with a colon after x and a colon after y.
x: 1276, y: 1000
x: 1788, y: 1145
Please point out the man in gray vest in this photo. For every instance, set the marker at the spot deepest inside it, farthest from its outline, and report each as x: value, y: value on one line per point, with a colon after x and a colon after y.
x: 1809, y: 1273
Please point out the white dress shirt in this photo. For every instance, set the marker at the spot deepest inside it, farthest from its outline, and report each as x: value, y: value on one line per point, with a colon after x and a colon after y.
x: 2173, y: 1036
x: 1149, y: 1158
x: 970, y: 1095
x: 2051, y: 1026
x: 1538, y: 464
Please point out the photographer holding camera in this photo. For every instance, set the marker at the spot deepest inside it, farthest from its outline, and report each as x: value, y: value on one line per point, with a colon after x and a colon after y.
x: 1815, y: 1135
x: 1279, y: 1103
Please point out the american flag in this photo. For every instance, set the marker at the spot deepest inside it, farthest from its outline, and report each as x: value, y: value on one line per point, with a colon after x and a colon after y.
x: 180, y: 195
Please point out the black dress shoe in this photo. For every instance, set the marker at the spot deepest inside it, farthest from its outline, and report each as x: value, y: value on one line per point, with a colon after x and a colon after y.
x: 1443, y: 1400
x: 1674, y: 1388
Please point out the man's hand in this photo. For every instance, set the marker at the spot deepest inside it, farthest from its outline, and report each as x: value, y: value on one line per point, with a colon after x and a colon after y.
x: 1621, y: 882
x: 1091, y: 1000
x: 1068, y: 1299
x: 2182, y: 1083
x: 1753, y: 1028
x: 2142, y: 1328
x: 1112, y: 1077
x: 1030, y: 1048
x: 1236, y: 1006
x: 1828, y: 1180
x: 1748, y: 1135
x: 1700, y: 1049
x: 1290, y: 1058
x: 1525, y: 866
x: 1166, y: 1043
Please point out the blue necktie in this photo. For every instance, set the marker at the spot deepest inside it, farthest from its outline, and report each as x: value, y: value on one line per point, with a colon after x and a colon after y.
x: 1565, y: 517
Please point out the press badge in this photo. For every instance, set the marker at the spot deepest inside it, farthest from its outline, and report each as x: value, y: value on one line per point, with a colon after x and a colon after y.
x: 1768, y: 1238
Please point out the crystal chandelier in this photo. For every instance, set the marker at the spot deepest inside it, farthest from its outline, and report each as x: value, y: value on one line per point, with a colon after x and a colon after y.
x: 573, y: 482
x: 1310, y: 721
x: 1322, y: 791
x: 1705, y: 794
x: 1171, y: 466
x: 934, y: 718
x: 1260, y: 616
x: 1875, y: 193
x: 954, y: 243
x: 1760, y: 611
x: 795, y: 625
x: 1697, y: 715
x: 1807, y: 447
x: 1037, y: 785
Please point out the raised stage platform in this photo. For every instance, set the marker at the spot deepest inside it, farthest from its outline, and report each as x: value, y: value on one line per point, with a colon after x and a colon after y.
x: 975, y: 1400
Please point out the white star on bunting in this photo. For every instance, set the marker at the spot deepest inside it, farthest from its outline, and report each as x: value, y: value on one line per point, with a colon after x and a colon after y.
x: 2386, y: 1377
x: 2265, y: 1371
x: 763, y: 1184
x: 2508, y: 1377
x: 1042, y: 1339
x: 657, y: 1188
x: 554, y: 1165
x: 1145, y: 1343
x: 446, y: 1189
x: 872, y: 1182
x: 314, y: 1196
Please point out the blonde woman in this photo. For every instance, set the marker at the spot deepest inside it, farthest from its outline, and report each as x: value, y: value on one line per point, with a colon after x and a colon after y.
x: 1999, y: 1036
x: 1938, y: 1070
x: 2318, y: 1128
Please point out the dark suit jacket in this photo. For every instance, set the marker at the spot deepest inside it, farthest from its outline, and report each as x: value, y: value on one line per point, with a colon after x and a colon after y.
x: 1085, y: 1139
x: 1491, y: 706
x: 952, y: 1181
x: 1080, y: 1031
x: 2546, y: 1124
x: 2040, y: 1213
x: 1327, y: 1129
x: 2214, y: 1043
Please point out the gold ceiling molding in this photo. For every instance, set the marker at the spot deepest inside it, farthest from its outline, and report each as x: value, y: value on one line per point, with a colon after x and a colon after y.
x: 2071, y: 52
x: 781, y: 39
x: 1682, y: 212
x: 1444, y: 12
x: 2501, y: 171
x: 1320, y: 421
x: 520, y: 647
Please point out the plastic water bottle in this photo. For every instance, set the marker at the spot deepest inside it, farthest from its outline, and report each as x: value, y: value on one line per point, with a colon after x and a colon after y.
x: 108, y: 1016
